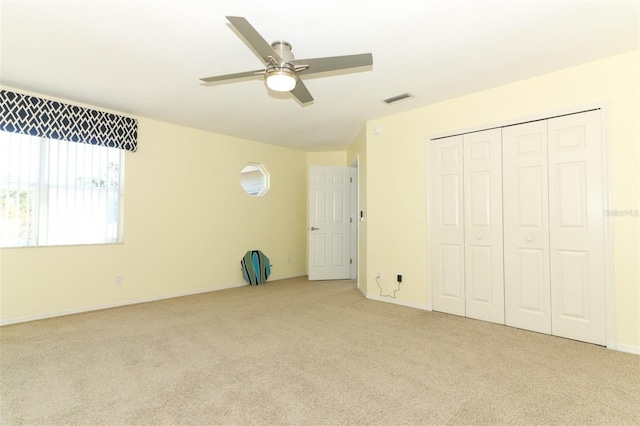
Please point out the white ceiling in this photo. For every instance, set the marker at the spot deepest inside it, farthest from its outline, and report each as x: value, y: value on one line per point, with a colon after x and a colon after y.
x: 146, y: 57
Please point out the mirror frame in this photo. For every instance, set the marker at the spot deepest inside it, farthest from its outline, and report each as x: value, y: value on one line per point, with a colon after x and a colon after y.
x: 265, y: 183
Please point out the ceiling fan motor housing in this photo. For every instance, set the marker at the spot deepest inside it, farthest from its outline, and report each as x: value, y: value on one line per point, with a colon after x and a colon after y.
x: 283, y: 49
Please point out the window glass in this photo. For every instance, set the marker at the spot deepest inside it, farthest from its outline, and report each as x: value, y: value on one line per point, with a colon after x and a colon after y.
x: 55, y: 192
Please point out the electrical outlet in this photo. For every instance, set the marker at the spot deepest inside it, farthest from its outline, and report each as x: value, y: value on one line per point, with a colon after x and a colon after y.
x: 399, y: 278
x: 378, y: 276
x: 118, y: 279
x: 289, y: 259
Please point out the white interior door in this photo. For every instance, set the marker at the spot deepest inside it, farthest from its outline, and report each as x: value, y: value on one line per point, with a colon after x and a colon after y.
x: 329, y: 223
x: 447, y: 225
x: 526, y: 227
x: 576, y: 221
x: 484, y: 285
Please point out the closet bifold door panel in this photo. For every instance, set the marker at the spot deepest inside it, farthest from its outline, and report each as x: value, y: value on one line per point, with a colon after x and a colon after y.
x: 483, y: 256
x: 576, y: 221
x: 447, y: 225
x: 526, y: 227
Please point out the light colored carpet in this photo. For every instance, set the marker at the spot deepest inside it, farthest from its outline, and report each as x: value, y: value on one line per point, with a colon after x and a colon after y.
x: 303, y: 353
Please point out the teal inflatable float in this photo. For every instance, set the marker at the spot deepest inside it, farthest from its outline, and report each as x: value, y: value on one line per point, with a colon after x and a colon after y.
x: 255, y: 267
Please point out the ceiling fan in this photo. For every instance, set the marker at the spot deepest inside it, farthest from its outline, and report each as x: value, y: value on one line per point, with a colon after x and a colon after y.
x: 282, y: 72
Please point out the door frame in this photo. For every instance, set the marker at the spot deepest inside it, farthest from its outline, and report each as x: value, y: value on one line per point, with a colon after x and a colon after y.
x: 603, y: 106
x: 355, y: 222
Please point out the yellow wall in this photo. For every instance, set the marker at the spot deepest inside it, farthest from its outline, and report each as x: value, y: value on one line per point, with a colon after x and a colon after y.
x: 328, y: 159
x: 187, y: 225
x: 396, y: 172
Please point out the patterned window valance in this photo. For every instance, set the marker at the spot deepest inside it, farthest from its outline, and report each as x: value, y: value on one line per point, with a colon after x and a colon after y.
x: 34, y: 116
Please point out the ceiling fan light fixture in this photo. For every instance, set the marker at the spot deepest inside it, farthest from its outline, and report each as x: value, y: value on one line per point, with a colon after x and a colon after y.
x: 281, y: 80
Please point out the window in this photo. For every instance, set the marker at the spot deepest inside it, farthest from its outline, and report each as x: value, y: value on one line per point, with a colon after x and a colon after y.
x: 54, y: 192
x: 254, y: 179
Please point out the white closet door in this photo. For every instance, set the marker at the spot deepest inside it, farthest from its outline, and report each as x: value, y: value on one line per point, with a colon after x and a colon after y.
x: 576, y: 212
x: 526, y: 227
x: 447, y: 226
x: 484, y: 284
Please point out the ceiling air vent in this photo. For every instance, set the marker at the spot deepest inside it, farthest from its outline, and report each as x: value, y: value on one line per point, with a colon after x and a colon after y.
x: 398, y: 98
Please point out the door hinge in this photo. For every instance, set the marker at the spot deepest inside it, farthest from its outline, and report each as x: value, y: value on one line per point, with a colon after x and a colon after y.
x: 350, y: 220
x: 350, y: 261
x: 351, y: 179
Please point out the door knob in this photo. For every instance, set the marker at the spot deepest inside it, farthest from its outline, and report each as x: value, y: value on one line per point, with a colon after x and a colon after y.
x: 478, y: 237
x: 313, y: 228
x: 529, y: 239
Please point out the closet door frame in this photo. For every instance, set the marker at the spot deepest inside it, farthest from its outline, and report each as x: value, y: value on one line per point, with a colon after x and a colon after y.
x: 603, y: 106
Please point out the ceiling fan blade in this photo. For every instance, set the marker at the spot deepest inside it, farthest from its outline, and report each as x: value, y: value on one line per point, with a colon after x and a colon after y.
x: 302, y: 93
x: 255, y: 40
x: 232, y: 76
x: 317, y: 65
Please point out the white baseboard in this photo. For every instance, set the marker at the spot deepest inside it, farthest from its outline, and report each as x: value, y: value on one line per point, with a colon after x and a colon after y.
x: 618, y: 347
x: 27, y: 318
x: 286, y: 277
x: 364, y: 293
x: 628, y: 348
x: 396, y: 301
